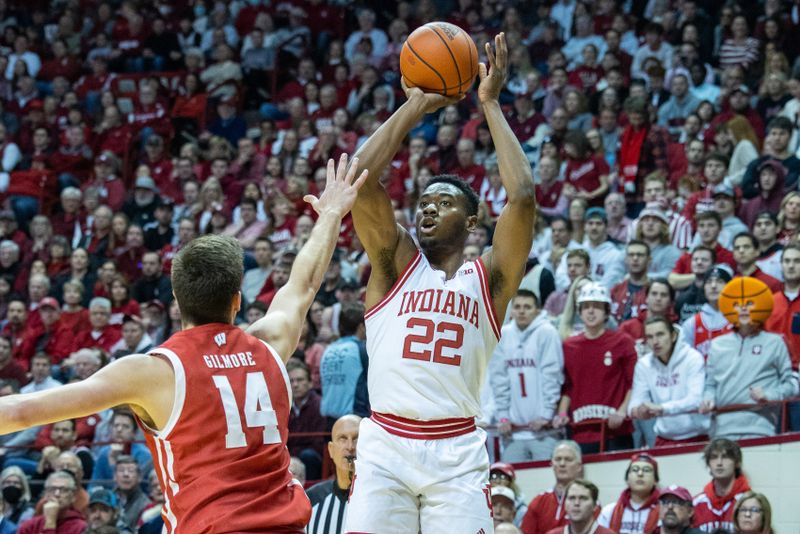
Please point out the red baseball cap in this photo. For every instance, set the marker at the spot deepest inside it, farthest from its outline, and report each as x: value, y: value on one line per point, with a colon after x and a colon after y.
x: 506, y: 469
x: 49, y: 302
x: 676, y: 491
x: 644, y: 457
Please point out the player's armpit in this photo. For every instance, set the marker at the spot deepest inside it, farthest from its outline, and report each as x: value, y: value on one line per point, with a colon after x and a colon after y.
x: 145, y: 382
x: 280, y: 328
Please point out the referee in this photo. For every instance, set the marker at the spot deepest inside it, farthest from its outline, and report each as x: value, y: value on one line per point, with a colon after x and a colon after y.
x: 329, y: 498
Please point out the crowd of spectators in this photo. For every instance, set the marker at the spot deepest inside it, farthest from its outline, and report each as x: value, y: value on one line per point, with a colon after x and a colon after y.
x: 664, y: 141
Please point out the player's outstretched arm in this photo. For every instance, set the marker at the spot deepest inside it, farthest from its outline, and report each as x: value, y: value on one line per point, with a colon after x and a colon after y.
x: 373, y: 213
x: 282, y: 324
x: 514, y: 232
x: 146, y: 383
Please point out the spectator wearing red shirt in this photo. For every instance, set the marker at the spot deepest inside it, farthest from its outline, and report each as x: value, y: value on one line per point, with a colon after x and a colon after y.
x: 745, y: 253
x: 67, y: 221
x: 586, y: 75
x: 106, y: 180
x: 328, y: 105
x: 713, y: 507
x: 59, y: 515
x: 466, y: 168
x: 715, y: 169
x: 72, y: 162
x: 738, y: 103
x: 786, y: 307
x: 277, y: 279
x: 73, y: 314
x: 598, y: 372
x: 61, y: 64
x: 99, y: 332
x: 159, y: 162
x: 149, y: 116
x: 524, y: 120
x: 305, y: 417
x: 586, y: 173
x: 249, y: 165
x: 10, y: 369
x: 549, y: 192
x: 629, y: 296
x: 547, y: 510
x: 89, y: 87
x: 14, y: 329
x: 709, y: 226
x: 580, y: 499
x: 112, y: 134
x: 51, y: 336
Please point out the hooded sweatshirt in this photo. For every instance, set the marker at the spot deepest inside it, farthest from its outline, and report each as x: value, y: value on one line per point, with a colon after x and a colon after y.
x: 712, y: 511
x: 526, y: 372
x: 625, y: 517
x: 676, y: 386
x: 70, y: 521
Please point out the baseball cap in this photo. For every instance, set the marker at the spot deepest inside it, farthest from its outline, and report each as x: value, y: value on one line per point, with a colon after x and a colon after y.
x: 676, y: 491
x: 653, y: 209
x: 723, y: 189
x: 129, y: 318
x: 505, y: 468
x: 596, y: 212
x: 721, y: 271
x: 145, y: 182
x: 594, y: 292
x: 774, y: 164
x: 49, y: 302
x: 157, y: 303
x: 503, y: 491
x: 644, y: 457
x: 104, y: 497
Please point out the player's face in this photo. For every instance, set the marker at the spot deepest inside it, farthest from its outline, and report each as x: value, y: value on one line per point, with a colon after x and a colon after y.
x: 579, y: 503
x: 441, y: 215
x: 524, y: 311
x: 641, y: 477
x: 593, y: 314
x: 722, y: 466
x: 565, y: 464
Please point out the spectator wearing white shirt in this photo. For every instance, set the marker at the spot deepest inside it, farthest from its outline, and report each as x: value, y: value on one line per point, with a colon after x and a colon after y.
x: 21, y: 53
x: 40, y: 374
x: 654, y: 47
x: 669, y: 380
x: 10, y: 156
x: 573, y: 50
x: 562, y: 12
x: 366, y: 28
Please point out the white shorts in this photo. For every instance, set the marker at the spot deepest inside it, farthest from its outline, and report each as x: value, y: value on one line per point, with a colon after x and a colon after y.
x: 408, y: 486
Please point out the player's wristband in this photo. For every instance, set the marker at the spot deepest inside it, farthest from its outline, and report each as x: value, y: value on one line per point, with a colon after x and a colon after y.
x: 562, y: 414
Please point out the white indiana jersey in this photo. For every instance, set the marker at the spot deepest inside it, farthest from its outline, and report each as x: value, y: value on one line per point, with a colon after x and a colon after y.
x: 429, y: 342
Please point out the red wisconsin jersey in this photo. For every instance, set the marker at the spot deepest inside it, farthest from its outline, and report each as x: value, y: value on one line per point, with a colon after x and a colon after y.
x: 222, y: 458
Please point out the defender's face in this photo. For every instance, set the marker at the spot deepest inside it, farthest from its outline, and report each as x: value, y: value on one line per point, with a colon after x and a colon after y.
x: 441, y: 214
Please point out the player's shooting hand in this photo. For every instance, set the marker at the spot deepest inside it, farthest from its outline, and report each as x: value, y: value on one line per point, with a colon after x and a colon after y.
x: 493, y: 77
x: 431, y: 101
x: 340, y: 189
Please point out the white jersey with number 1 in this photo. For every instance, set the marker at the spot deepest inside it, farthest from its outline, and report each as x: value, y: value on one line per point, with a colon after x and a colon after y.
x: 429, y: 342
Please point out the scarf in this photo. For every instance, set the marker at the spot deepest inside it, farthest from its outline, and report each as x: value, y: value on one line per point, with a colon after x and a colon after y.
x: 630, y: 152
x: 625, y: 502
x: 740, y: 485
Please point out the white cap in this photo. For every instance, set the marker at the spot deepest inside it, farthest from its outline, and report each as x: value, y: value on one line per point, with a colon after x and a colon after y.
x: 594, y: 292
x: 503, y: 491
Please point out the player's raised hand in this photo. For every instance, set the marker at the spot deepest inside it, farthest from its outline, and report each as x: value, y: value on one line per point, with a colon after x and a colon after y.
x: 431, y: 101
x: 493, y: 77
x: 340, y: 188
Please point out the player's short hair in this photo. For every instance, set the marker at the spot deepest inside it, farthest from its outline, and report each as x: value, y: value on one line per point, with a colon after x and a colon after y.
x: 293, y: 364
x: 469, y: 194
x: 727, y: 448
x: 206, y: 277
x: 527, y: 293
x: 595, y: 493
x: 351, y: 317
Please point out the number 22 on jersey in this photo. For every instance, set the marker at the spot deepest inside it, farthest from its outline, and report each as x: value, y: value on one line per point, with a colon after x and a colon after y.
x: 449, y: 337
x: 258, y: 410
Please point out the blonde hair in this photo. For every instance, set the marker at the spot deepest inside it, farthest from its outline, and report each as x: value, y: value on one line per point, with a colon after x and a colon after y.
x: 782, y: 213
x: 566, y: 324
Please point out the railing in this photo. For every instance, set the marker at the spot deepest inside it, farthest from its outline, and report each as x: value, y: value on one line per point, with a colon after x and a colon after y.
x: 327, y: 464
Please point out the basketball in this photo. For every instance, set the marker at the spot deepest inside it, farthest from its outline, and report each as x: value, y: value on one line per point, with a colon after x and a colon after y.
x: 439, y: 58
x: 742, y: 291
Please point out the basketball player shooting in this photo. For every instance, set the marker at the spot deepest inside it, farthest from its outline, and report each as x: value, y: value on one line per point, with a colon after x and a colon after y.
x: 432, y: 327
x: 214, y: 400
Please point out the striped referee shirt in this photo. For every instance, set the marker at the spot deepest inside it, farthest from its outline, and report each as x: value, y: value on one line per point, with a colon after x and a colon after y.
x: 328, y: 503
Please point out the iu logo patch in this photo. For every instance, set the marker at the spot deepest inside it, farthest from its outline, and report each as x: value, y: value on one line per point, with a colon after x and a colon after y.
x: 756, y: 349
x: 220, y: 339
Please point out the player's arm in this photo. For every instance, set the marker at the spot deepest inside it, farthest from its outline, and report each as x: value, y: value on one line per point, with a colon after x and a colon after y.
x: 146, y: 383
x: 388, y: 246
x: 282, y: 324
x: 514, y: 232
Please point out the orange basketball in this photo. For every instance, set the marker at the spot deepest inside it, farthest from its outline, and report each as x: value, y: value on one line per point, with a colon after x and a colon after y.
x: 439, y: 58
x: 744, y: 291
